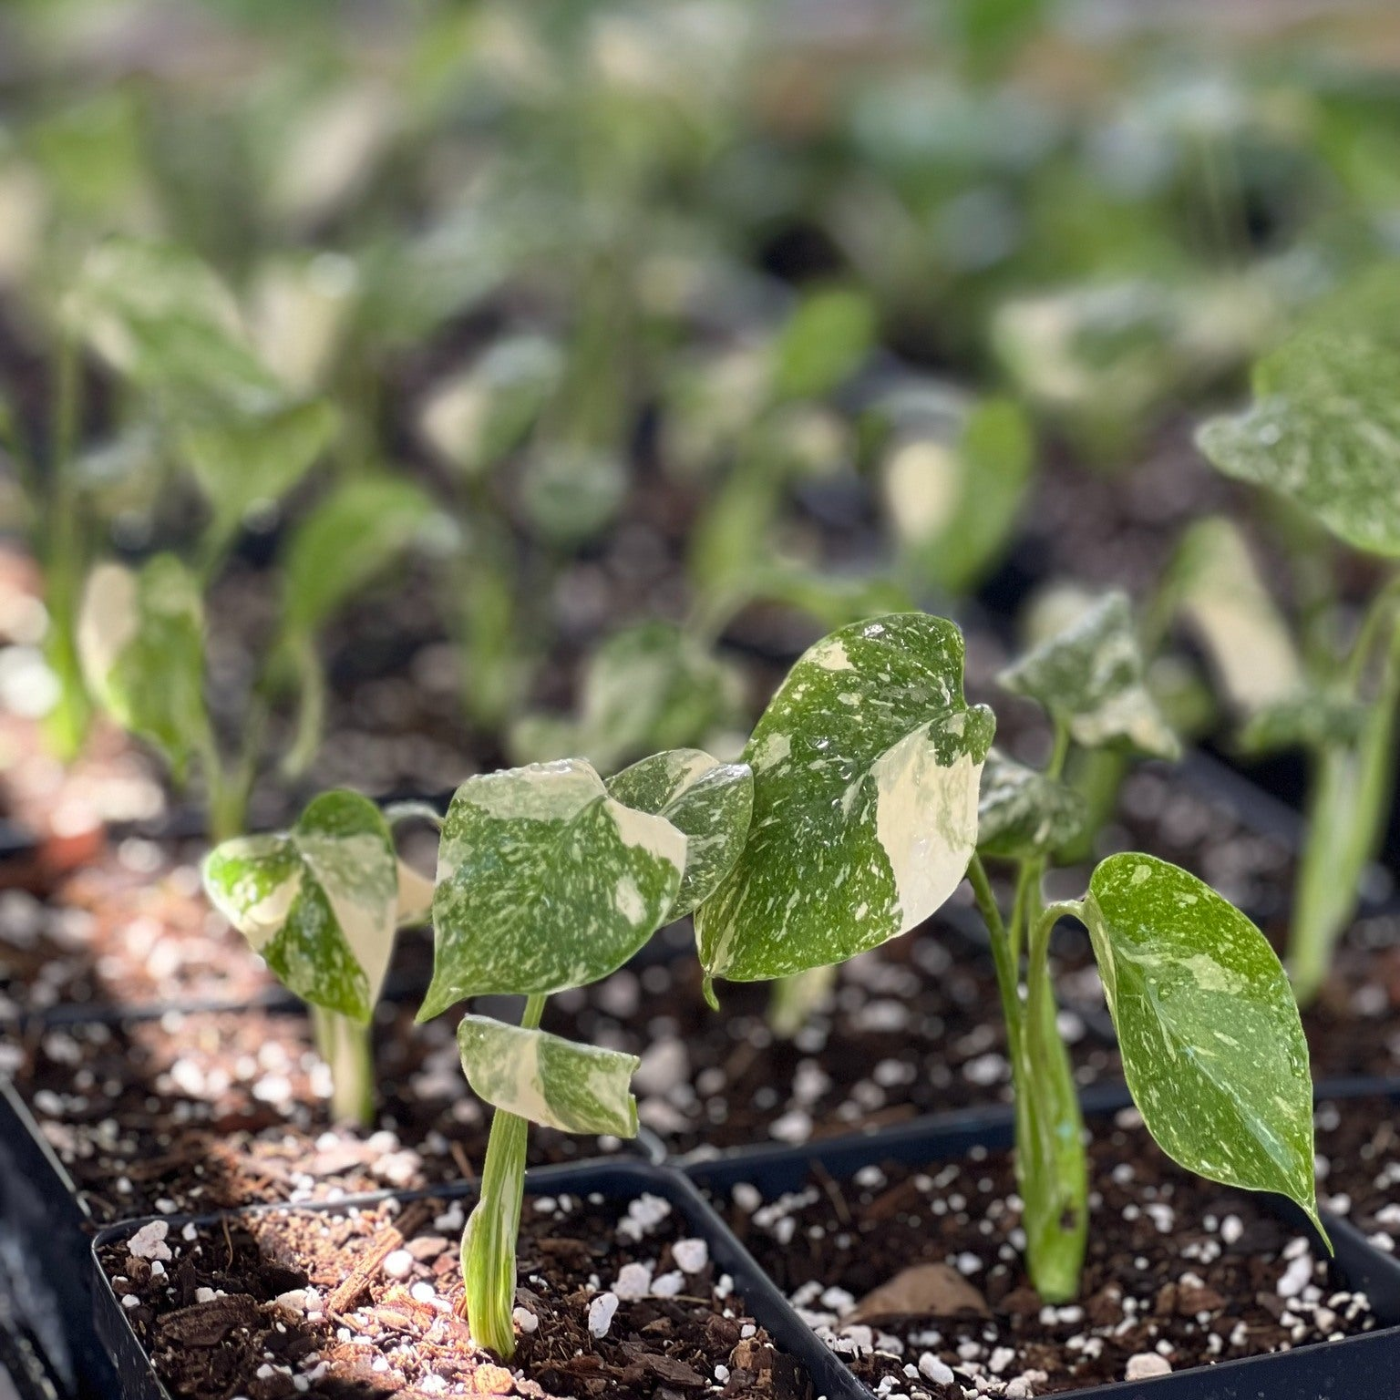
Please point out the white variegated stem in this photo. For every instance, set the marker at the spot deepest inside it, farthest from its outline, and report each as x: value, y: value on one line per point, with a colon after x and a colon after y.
x: 489, y: 1241
x: 794, y: 999
x: 346, y: 1047
x: 396, y: 812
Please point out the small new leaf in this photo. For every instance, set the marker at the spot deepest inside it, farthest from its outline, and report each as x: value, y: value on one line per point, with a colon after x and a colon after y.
x: 1022, y: 813
x: 544, y: 883
x: 549, y: 1080
x: 1324, y: 431
x: 711, y: 802
x: 1306, y: 719
x: 866, y: 768
x: 318, y: 902
x: 141, y: 640
x: 1090, y: 677
x: 1213, y: 1049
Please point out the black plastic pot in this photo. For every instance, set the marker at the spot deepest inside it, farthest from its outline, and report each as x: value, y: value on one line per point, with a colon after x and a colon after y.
x: 1359, y: 1368
x: 135, y: 1378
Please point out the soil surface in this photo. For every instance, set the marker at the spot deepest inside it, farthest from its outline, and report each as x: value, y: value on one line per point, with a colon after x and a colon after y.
x: 1358, y: 1165
x: 612, y: 1301
x: 1179, y: 1273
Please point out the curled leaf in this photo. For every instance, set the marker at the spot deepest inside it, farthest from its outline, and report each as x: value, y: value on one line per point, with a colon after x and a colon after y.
x: 1022, y: 813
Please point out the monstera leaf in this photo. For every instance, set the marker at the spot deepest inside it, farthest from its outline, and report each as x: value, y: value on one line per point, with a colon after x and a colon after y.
x: 549, y: 1080
x: 319, y: 902
x: 1213, y: 1049
x: 1090, y: 677
x: 1324, y: 432
x: 709, y: 801
x: 866, y: 771
x: 1022, y: 813
x: 141, y: 640
x: 544, y: 883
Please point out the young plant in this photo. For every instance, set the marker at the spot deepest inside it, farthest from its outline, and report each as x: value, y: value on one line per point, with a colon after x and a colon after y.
x: 874, y: 795
x: 1324, y: 435
x: 321, y: 903
x: 548, y: 879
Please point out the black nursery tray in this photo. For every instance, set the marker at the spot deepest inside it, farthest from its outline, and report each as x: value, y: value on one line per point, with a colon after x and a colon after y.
x: 135, y: 1377
x: 1360, y: 1367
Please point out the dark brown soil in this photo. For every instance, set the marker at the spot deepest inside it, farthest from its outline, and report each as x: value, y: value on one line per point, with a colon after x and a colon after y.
x: 361, y: 1304
x: 1358, y: 1150
x: 1177, y: 1268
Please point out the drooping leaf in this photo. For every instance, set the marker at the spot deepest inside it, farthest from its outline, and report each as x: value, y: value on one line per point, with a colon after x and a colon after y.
x: 1225, y: 601
x: 647, y: 687
x: 709, y: 801
x: 866, y: 768
x: 141, y: 640
x: 823, y: 343
x: 1306, y: 719
x: 318, y: 902
x: 1091, y: 678
x: 243, y: 460
x: 1022, y: 813
x: 545, y: 883
x: 1213, y: 1048
x: 351, y: 537
x: 1324, y: 432
x: 570, y: 492
x: 547, y: 1079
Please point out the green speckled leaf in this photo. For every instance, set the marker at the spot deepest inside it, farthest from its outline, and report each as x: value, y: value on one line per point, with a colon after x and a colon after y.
x: 1023, y: 813
x: 549, y: 1080
x: 1306, y: 719
x: 141, y: 639
x: 545, y: 883
x: 1091, y: 678
x: 711, y: 802
x: 1324, y: 431
x: 1213, y: 1049
x: 866, y: 768
x: 318, y: 902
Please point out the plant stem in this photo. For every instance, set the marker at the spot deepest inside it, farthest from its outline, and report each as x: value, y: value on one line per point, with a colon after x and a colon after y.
x: 346, y: 1047
x: 488, y: 1243
x: 1051, y: 1163
x: 794, y: 999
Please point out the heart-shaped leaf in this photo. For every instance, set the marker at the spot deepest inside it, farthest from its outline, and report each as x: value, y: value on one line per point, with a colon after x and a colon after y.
x: 711, y: 802
x: 141, y: 640
x: 1324, y: 431
x: 544, y: 883
x: 866, y: 768
x: 549, y: 1080
x: 1022, y: 813
x: 318, y: 902
x: 1090, y: 677
x: 1213, y: 1049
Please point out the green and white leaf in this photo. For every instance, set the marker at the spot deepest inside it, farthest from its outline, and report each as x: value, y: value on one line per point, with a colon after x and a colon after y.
x: 709, y: 801
x: 1021, y: 813
x: 1090, y: 677
x: 318, y: 902
x: 1306, y: 719
x: 571, y: 492
x: 1222, y: 597
x: 1324, y: 432
x: 547, y: 1079
x: 1213, y: 1048
x: 141, y: 642
x: 544, y: 883
x: 866, y: 769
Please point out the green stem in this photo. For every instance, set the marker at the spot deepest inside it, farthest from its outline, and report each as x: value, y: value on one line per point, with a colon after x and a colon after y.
x: 488, y: 1243
x: 1051, y: 1163
x: 794, y: 999
x: 346, y: 1047
x: 1008, y: 983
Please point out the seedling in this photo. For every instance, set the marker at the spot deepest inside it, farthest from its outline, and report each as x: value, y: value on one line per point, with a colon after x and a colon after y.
x: 1322, y: 434
x: 876, y: 789
x: 321, y: 903
x: 549, y: 878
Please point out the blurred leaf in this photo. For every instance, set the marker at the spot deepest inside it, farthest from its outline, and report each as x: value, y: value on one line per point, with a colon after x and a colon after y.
x: 866, y: 771
x: 1022, y: 813
x: 825, y: 340
x: 1324, y: 432
x: 545, y: 883
x: 1307, y: 719
x: 572, y: 493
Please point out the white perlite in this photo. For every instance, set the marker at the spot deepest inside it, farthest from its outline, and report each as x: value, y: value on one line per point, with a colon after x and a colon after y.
x: 1145, y: 1365
x: 690, y: 1255
x: 399, y: 1264
x: 149, y: 1241
x: 600, y: 1313
x: 525, y: 1321
x: 931, y: 1368
x: 633, y: 1281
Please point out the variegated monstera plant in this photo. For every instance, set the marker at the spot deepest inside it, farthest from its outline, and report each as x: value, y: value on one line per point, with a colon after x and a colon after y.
x: 548, y: 879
